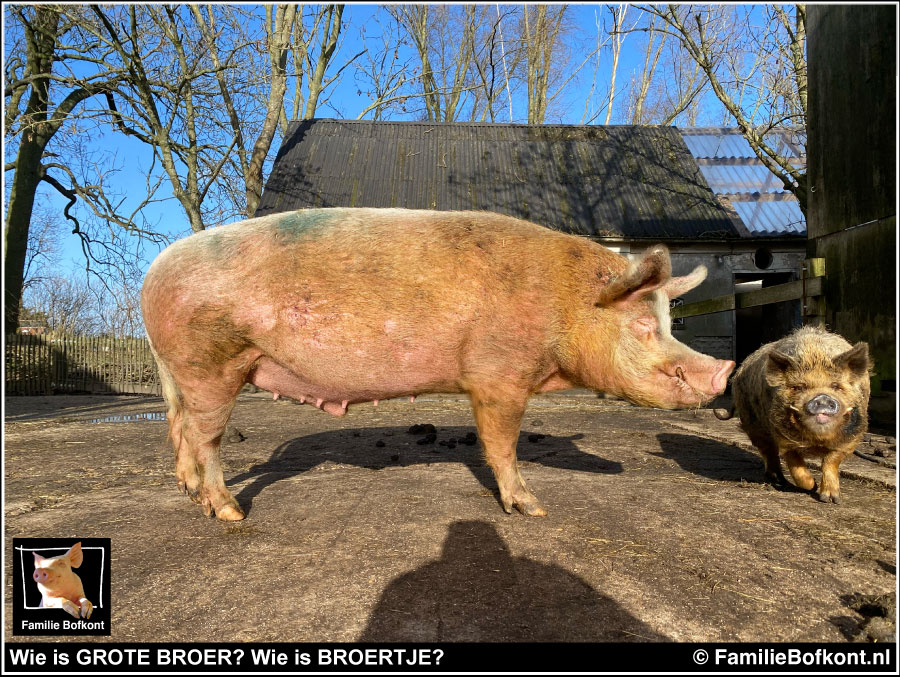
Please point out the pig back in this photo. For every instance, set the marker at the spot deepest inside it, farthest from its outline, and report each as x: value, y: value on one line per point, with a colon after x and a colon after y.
x: 420, y: 290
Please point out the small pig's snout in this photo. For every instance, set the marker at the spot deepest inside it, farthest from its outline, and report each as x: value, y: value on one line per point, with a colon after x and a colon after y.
x: 823, y: 404
x: 720, y: 379
x: 40, y: 575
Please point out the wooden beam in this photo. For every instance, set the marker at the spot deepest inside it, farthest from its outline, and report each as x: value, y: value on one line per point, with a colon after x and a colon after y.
x: 788, y: 291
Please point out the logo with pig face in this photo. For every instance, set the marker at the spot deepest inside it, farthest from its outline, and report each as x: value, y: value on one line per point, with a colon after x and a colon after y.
x: 50, y: 598
x: 59, y: 585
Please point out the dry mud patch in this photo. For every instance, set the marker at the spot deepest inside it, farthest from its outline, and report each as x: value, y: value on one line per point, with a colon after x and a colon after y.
x: 659, y: 527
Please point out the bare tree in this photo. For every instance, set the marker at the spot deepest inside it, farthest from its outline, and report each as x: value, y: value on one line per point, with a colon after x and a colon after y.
x: 44, y: 252
x: 65, y: 304
x: 54, y: 69
x: 444, y: 38
x: 541, y: 31
x: 279, y: 27
x: 756, y: 67
x: 326, y: 28
x: 641, y: 87
x: 386, y: 76
x: 494, y: 58
x: 169, y: 101
x: 547, y: 71
x: 117, y: 312
x: 616, y: 35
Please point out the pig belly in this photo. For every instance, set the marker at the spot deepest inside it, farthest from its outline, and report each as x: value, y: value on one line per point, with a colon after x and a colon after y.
x: 333, y: 397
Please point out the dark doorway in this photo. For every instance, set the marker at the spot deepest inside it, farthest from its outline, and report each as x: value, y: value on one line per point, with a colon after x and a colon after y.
x: 763, y: 324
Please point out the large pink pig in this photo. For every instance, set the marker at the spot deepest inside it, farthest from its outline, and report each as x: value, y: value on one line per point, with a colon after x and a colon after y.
x: 337, y: 307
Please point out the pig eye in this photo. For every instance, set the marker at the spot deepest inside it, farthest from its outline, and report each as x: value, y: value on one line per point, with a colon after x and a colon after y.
x: 836, y: 386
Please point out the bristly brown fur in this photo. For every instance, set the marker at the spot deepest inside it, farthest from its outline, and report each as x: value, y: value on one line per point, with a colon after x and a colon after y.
x: 772, y: 393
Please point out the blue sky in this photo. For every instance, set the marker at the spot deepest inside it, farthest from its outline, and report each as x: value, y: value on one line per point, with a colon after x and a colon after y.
x: 169, y: 217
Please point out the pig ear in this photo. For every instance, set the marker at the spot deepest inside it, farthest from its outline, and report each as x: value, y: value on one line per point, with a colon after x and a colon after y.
x: 75, y: 555
x: 856, y: 359
x: 37, y: 559
x: 776, y: 366
x: 682, y: 285
x: 650, y: 273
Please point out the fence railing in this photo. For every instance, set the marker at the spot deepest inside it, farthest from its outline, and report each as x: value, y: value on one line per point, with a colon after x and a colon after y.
x: 809, y: 289
x: 53, y: 364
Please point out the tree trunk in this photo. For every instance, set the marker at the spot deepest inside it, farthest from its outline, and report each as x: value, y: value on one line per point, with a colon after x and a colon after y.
x: 40, y: 44
x: 18, y: 219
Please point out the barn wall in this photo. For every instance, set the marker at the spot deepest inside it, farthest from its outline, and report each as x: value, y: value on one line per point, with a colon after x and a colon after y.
x: 852, y: 178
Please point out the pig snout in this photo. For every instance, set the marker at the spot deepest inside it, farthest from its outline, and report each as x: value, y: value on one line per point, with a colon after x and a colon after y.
x: 823, y: 407
x: 720, y: 378
x: 40, y: 576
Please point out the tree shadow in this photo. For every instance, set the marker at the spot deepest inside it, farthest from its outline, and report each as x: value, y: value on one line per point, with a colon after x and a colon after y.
x: 711, y: 458
x: 478, y: 592
x: 358, y: 447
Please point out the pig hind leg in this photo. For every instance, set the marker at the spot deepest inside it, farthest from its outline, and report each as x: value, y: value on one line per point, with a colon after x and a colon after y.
x: 498, y: 418
x: 198, y: 460
x: 774, y: 475
x: 198, y: 413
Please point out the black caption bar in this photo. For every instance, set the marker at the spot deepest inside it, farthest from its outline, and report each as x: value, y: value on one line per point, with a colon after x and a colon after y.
x: 69, y: 657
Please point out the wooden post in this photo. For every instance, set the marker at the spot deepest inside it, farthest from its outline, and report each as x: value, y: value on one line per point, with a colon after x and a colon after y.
x: 813, y: 304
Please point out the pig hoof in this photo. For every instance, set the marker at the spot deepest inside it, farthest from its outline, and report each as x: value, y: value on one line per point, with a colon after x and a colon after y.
x: 527, y: 506
x: 827, y: 496
x: 86, y: 609
x: 229, y: 513
x: 531, y: 508
x: 71, y: 609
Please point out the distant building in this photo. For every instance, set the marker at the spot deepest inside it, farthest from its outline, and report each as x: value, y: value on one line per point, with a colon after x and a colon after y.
x: 31, y: 330
x: 626, y: 187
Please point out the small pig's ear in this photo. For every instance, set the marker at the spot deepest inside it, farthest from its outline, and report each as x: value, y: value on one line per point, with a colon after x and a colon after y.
x: 37, y: 559
x: 776, y: 366
x: 75, y: 556
x: 650, y: 273
x: 682, y: 285
x: 856, y: 359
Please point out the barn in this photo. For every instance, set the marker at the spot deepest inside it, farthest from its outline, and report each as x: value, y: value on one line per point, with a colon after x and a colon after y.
x: 627, y: 187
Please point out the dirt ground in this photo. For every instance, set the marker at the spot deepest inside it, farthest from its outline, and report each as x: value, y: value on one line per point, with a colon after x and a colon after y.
x: 659, y: 529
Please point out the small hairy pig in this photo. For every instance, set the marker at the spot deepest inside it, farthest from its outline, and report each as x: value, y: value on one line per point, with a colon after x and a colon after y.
x: 805, y: 395
x: 59, y: 585
x: 338, y: 307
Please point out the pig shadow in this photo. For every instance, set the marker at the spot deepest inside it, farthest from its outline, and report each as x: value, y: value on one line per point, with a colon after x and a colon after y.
x: 711, y: 458
x: 358, y: 447
x: 478, y: 592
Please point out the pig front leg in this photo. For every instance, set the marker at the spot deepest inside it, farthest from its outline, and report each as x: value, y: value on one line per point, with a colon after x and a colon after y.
x: 71, y: 608
x: 498, y: 417
x: 83, y: 609
x: 830, y: 488
x: 799, y: 471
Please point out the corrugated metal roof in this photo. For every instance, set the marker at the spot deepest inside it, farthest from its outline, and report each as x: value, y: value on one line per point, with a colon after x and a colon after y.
x: 726, y: 179
x: 727, y: 142
x: 731, y: 168
x: 771, y: 218
x: 627, y: 181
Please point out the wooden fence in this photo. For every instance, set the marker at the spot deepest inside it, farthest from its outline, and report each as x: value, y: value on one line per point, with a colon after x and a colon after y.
x: 52, y: 364
x: 809, y: 289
